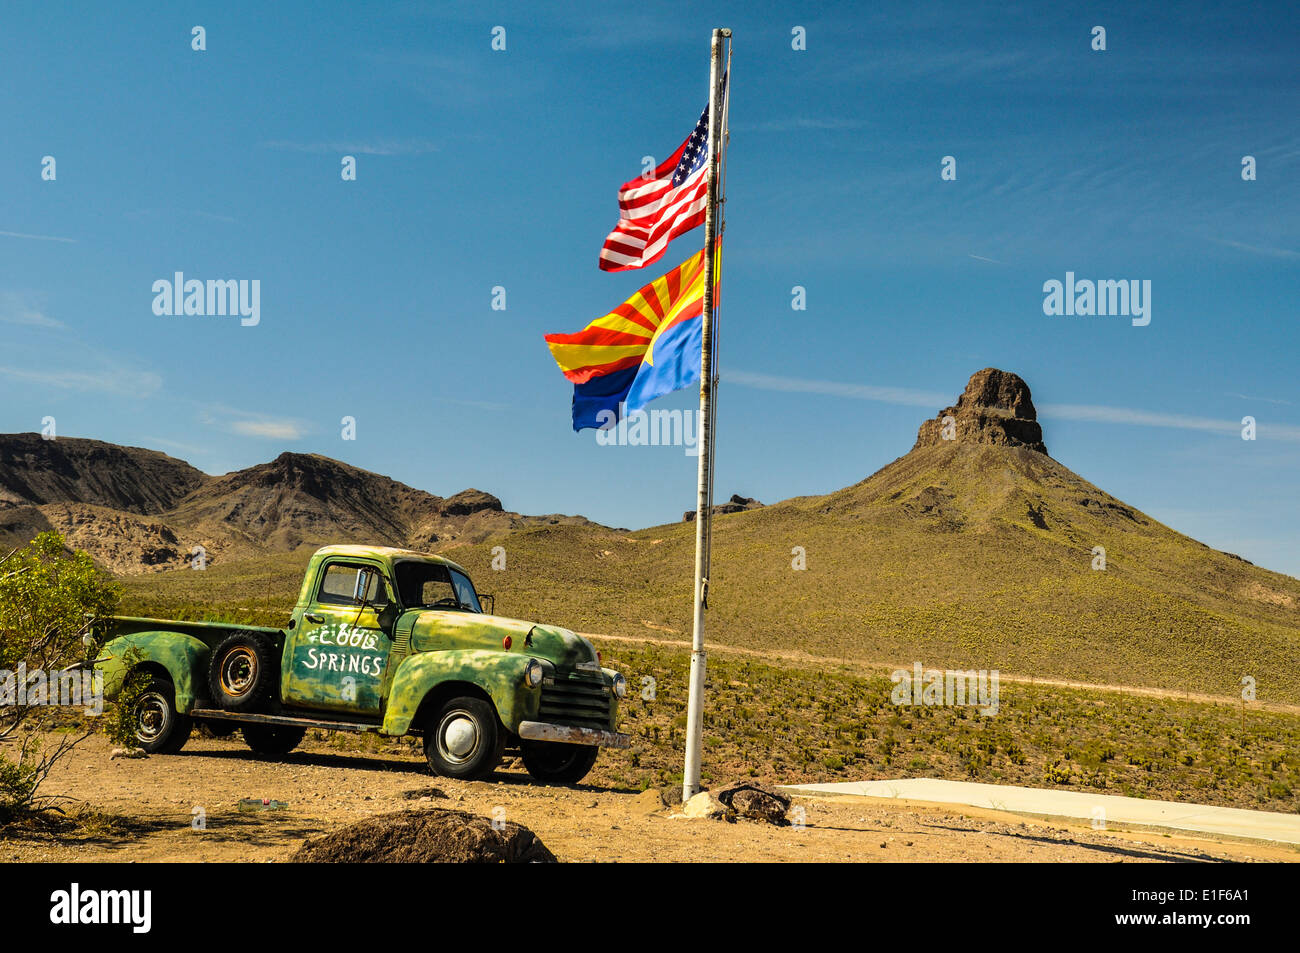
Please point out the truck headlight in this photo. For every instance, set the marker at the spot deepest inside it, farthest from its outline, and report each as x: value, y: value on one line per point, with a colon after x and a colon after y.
x: 620, y: 685
x: 533, y: 673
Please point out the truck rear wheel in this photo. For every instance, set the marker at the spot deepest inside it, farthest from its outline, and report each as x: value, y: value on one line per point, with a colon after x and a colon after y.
x: 159, y: 727
x: 553, y: 763
x: 273, y: 740
x: 464, y: 740
x: 244, y: 672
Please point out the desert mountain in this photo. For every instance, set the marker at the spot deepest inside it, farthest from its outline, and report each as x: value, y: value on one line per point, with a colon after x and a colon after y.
x: 976, y: 551
x: 135, y: 509
x: 35, y: 471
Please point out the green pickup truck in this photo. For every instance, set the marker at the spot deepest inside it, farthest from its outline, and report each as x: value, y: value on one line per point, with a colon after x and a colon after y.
x: 381, y: 640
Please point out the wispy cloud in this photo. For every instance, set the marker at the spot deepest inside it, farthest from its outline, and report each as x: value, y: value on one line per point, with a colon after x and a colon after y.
x: 270, y: 429
x: 887, y: 395
x: 38, y: 238
x: 1091, y: 413
x: 42, y: 350
x: 799, y: 124
x: 175, y: 445
x: 1262, y: 400
x: 1266, y: 250
x: 120, y: 381
x: 953, y: 66
x: 15, y: 310
x: 251, y: 424
x: 379, y: 147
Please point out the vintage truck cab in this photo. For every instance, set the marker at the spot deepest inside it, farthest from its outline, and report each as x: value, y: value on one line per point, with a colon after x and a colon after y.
x: 384, y: 640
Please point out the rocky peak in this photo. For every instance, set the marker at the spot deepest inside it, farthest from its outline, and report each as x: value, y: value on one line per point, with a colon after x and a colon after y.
x: 996, y: 408
x: 470, y: 501
x: 315, y: 475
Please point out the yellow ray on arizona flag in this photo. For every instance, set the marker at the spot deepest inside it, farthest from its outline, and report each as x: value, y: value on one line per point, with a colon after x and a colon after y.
x: 646, y: 347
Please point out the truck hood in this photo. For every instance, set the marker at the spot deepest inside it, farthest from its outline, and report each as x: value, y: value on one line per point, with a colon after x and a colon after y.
x: 434, y: 630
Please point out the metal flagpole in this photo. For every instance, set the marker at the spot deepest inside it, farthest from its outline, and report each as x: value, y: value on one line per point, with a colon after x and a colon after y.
x: 704, y: 507
x: 720, y: 232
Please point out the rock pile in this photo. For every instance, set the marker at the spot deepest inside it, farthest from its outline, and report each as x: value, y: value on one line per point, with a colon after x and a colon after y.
x: 435, y: 836
x: 733, y: 505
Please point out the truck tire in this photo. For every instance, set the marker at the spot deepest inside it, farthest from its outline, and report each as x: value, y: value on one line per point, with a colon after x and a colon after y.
x: 553, y: 763
x: 464, y: 739
x: 244, y: 673
x: 159, y: 727
x: 273, y: 740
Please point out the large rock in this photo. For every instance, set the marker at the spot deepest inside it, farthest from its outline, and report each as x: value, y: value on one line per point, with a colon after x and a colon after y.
x: 755, y: 801
x: 996, y: 408
x: 649, y: 801
x: 434, y: 836
x: 736, y: 504
x: 705, y: 805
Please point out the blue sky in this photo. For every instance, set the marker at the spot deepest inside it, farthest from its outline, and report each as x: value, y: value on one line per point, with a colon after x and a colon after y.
x: 479, y: 168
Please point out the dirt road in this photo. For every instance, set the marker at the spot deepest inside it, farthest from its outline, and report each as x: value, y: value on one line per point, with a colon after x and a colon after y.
x: 817, y: 662
x: 157, y: 800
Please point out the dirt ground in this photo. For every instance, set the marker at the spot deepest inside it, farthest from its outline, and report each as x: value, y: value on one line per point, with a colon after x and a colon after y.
x: 155, y: 800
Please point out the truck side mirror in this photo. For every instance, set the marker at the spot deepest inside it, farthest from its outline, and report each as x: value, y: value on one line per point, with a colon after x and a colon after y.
x: 362, y: 586
x: 492, y: 602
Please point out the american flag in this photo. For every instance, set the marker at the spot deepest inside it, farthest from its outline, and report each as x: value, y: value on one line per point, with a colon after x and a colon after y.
x: 654, y: 211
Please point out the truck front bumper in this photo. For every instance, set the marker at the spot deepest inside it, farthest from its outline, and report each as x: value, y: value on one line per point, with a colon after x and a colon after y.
x: 569, y: 735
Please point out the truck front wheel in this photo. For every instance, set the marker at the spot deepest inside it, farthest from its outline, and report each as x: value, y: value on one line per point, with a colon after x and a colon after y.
x: 159, y: 727
x: 553, y: 763
x: 464, y: 740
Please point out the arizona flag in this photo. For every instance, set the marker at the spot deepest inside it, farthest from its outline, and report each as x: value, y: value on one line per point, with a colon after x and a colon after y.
x: 646, y: 347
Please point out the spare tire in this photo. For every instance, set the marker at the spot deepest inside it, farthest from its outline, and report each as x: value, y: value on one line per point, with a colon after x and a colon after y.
x: 244, y: 672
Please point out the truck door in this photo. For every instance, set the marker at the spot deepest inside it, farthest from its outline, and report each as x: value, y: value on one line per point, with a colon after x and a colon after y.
x: 335, y: 656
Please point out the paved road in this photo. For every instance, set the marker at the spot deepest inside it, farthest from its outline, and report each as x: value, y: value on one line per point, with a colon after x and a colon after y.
x: 1096, y: 808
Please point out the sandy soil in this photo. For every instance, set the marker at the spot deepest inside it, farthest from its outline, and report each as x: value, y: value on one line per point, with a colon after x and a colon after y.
x: 156, y: 798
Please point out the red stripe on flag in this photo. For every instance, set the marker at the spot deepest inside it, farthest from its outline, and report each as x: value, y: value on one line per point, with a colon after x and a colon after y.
x: 651, y: 217
x: 584, y: 374
x: 602, y: 336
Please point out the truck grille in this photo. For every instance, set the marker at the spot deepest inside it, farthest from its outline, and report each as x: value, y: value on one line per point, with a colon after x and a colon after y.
x: 575, y: 701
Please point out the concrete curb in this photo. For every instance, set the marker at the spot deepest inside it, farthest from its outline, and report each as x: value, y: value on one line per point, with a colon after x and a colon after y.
x: 1098, y: 809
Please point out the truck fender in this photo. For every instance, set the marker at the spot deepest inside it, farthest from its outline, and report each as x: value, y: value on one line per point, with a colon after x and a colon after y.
x: 183, y: 656
x: 499, y: 674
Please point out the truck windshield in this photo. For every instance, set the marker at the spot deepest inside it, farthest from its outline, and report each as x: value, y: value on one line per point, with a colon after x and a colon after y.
x: 434, y: 586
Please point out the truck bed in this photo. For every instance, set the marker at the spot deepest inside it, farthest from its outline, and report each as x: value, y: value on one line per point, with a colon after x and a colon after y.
x: 206, y: 631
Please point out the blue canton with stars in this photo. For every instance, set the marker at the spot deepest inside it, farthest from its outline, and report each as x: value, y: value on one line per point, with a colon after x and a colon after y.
x: 697, y: 149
